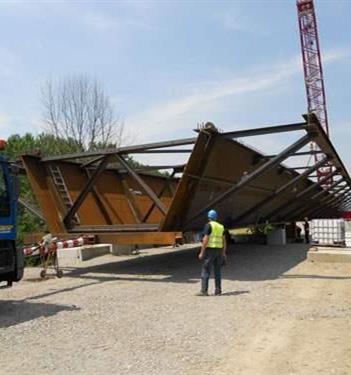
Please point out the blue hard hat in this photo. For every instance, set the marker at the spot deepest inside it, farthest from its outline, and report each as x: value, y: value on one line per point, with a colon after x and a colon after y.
x: 212, y: 215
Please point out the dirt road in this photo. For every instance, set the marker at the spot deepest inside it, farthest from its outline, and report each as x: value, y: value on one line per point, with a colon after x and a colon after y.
x: 279, y: 315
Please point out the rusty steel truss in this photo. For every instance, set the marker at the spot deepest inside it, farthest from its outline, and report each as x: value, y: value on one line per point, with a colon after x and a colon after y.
x: 101, y: 192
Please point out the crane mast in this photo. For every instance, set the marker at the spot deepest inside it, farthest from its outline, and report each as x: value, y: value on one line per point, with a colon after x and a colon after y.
x: 313, y: 72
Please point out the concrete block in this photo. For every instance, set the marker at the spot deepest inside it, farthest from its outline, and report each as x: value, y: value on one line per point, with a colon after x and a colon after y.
x: 81, y: 253
x: 277, y: 237
x: 125, y: 249
x: 330, y: 255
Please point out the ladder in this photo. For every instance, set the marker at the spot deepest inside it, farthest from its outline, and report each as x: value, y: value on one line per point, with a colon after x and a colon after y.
x: 62, y: 189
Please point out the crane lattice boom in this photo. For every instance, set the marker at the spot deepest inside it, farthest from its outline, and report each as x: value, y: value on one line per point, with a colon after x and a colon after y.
x: 312, y: 65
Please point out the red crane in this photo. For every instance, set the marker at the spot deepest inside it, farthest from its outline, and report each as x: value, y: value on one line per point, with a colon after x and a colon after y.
x: 312, y: 66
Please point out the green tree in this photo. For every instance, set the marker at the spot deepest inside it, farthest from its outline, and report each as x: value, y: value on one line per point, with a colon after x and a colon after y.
x: 44, y: 144
x: 78, y: 108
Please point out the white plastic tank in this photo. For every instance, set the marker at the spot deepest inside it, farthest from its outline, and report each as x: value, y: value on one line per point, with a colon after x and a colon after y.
x: 328, y: 231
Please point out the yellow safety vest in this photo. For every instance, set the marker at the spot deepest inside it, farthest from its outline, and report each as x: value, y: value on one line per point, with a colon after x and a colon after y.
x: 216, y: 237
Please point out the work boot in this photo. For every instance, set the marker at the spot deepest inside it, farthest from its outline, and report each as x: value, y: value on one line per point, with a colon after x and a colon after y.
x: 201, y: 294
x: 218, y: 292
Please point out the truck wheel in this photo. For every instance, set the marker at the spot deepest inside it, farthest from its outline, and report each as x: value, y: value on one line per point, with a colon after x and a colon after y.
x: 19, y: 263
x: 9, y: 283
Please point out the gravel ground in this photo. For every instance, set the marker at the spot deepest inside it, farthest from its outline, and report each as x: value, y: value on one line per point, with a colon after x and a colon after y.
x: 279, y: 314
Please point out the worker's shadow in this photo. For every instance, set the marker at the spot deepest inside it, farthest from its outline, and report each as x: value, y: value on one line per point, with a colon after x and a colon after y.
x: 14, y: 312
x: 234, y: 293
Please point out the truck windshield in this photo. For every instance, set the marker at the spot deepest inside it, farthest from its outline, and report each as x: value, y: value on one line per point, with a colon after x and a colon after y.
x: 4, y: 196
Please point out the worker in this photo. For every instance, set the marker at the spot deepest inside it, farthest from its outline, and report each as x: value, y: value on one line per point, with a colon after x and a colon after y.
x: 212, y: 253
x: 306, y: 227
x: 298, y: 231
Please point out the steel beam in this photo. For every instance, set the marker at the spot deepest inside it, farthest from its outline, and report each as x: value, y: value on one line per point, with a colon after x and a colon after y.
x: 341, y: 202
x: 265, y: 130
x: 81, y: 197
x: 334, y: 184
x: 114, y: 228
x: 331, y: 202
x: 87, y: 164
x: 341, y: 190
x: 347, y: 199
x: 319, y: 210
x: 323, y: 210
x: 142, y: 184
x: 346, y: 207
x: 187, y: 188
x: 132, y: 203
x: 98, y: 200
x: 297, y: 210
x: 297, y: 168
x: 211, y: 180
x: 315, y: 210
x: 324, y: 143
x: 301, y: 194
x: 169, y: 151
x: 282, y: 189
x: 339, y: 198
x: 222, y: 181
x: 158, y: 167
x: 253, y: 175
x: 123, y: 150
x: 159, y: 195
x: 311, y: 200
x: 31, y: 209
x: 301, y: 153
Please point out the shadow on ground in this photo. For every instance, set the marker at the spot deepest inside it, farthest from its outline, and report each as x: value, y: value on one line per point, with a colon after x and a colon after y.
x: 245, y: 262
x: 234, y: 293
x: 17, y: 312
x: 329, y: 277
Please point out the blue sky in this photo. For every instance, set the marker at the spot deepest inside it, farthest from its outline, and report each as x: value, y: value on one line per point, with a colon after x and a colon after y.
x: 168, y: 65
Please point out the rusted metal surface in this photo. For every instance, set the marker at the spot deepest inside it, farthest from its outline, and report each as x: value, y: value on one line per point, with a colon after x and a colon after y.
x: 108, y: 202
x: 111, y: 198
x: 231, y: 163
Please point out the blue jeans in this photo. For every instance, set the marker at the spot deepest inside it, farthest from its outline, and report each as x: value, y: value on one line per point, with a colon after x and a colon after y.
x: 213, y: 259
